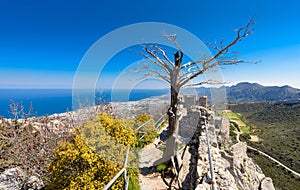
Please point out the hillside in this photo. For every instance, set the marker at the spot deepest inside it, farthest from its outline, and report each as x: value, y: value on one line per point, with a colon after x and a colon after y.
x: 248, y: 92
x: 277, y: 126
x: 253, y: 92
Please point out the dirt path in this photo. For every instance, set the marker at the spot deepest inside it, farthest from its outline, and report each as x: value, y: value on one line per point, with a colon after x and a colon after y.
x: 238, y: 133
x: 148, y: 156
x: 274, y: 160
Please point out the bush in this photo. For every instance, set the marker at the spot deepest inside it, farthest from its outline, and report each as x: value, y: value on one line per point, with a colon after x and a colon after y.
x: 76, y: 166
x: 161, y: 167
x: 134, y: 183
x: 93, y: 157
x: 121, y: 133
x: 245, y: 137
x: 143, y: 117
x: 29, y: 144
x: 148, y: 131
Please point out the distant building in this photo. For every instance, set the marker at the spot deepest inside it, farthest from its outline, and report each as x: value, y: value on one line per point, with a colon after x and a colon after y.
x: 188, y: 101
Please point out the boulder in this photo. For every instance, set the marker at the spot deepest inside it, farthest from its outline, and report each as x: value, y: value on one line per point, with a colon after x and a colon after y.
x: 267, y: 184
x: 11, y: 179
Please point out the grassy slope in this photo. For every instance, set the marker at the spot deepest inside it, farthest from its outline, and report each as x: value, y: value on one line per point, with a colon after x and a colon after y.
x: 279, y: 127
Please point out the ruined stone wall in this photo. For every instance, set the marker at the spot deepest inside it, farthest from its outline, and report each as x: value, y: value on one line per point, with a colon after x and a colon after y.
x: 188, y: 124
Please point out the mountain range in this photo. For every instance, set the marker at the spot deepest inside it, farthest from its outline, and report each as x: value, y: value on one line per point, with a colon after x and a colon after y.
x: 254, y: 92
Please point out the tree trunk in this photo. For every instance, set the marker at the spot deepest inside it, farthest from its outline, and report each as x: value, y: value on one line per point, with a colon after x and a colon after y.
x: 171, y: 143
x: 173, y: 111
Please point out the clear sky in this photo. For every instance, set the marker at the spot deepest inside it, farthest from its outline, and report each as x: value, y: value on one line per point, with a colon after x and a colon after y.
x: 43, y: 42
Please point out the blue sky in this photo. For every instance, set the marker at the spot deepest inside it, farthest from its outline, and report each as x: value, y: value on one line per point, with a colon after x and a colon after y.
x: 43, y: 42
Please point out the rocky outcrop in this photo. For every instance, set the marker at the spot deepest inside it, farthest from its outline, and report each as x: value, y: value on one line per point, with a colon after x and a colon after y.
x: 13, y: 179
x: 10, y: 179
x: 233, y: 170
x: 247, y: 174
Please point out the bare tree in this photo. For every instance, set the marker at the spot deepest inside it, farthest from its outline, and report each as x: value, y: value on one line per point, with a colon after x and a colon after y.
x: 179, y: 74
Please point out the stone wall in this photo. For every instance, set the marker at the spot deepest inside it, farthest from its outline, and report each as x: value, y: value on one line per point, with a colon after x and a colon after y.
x: 234, y: 170
x: 188, y: 124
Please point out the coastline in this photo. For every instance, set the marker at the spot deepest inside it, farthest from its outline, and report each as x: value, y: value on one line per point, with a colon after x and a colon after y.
x: 52, y: 101
x: 70, y: 119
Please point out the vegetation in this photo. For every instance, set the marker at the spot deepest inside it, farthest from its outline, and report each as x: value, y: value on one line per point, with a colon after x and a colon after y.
x: 143, y: 118
x: 121, y: 133
x: 232, y: 134
x: 148, y: 133
x: 277, y: 127
x: 93, y: 157
x: 85, y: 158
x: 76, y: 166
x: 253, y: 92
x: 236, y: 117
x: 161, y: 167
x: 282, y: 179
x: 28, y: 144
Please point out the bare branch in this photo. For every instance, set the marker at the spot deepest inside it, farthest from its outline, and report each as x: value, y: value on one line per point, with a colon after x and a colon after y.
x: 155, y: 61
x: 211, y: 82
x: 153, y: 72
x: 172, y: 38
x: 167, y: 68
x: 240, y: 33
x: 187, y: 74
x: 162, y: 52
x: 214, y: 46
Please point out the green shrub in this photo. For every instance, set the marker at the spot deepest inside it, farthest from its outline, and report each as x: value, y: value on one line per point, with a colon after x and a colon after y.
x: 148, y: 138
x: 134, y: 183
x: 161, y: 167
x: 245, y: 137
x: 148, y: 131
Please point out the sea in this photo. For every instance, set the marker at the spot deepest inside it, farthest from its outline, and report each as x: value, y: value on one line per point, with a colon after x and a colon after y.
x: 50, y: 101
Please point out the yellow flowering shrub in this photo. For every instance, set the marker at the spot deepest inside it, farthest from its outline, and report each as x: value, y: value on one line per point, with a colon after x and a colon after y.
x: 120, y: 132
x: 104, y: 145
x: 91, y: 158
x: 76, y: 166
x: 143, y: 117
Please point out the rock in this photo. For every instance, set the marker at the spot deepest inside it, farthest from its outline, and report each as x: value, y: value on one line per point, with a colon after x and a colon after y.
x: 55, y: 115
x: 188, y: 124
x: 11, y: 179
x: 239, y: 150
x: 62, y: 114
x: 16, y: 179
x: 56, y: 122
x: 37, y: 123
x: 36, y: 128
x: 33, y: 183
x: 267, y: 184
x: 261, y: 176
